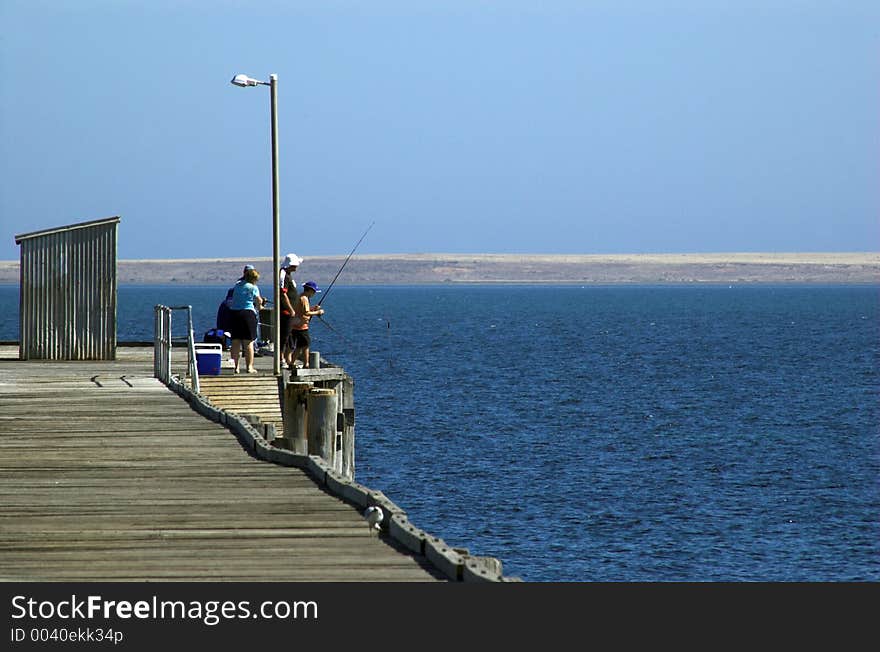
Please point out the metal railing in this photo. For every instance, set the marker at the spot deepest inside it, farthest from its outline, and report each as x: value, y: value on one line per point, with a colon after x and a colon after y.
x: 162, y: 346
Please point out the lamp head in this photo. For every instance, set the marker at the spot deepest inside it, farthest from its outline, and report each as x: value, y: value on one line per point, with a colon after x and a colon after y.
x: 244, y: 81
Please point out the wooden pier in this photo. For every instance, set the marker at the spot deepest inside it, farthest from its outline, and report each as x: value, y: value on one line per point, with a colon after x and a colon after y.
x: 106, y: 474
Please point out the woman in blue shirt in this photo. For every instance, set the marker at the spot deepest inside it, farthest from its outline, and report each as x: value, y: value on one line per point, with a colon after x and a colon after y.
x: 246, y: 303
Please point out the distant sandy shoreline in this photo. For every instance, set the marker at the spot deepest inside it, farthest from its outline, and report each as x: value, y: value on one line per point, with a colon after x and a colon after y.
x: 422, y: 268
x: 827, y: 258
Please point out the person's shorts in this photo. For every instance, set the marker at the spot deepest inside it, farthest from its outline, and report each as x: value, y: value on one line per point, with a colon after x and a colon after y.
x: 244, y: 325
x: 300, y: 339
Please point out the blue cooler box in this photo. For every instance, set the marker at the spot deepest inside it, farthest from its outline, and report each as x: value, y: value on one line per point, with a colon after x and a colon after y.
x: 208, y: 358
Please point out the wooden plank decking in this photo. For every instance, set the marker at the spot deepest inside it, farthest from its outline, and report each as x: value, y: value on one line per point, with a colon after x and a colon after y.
x: 105, y: 474
x: 256, y: 395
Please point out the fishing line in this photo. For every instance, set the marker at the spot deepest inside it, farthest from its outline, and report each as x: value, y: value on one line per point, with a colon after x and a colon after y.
x: 327, y: 291
x: 390, y: 349
x: 368, y: 358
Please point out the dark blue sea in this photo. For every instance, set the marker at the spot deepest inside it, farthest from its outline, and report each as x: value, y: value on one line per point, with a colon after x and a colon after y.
x: 685, y: 433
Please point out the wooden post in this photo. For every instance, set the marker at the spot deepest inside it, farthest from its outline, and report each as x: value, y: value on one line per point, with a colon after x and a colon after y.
x: 295, y: 416
x: 322, y: 423
x: 348, y: 428
x: 314, y: 360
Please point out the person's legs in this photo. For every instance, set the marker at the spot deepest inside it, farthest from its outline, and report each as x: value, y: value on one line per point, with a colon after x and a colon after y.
x: 284, y: 340
x: 286, y: 353
x: 249, y: 357
x: 305, y: 343
x: 235, y: 353
x: 300, y: 343
x: 249, y: 326
x: 290, y: 350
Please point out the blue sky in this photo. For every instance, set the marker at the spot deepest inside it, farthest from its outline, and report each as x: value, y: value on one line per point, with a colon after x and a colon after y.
x: 457, y: 126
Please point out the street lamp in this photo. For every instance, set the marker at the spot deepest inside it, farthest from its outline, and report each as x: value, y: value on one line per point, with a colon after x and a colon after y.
x: 244, y: 81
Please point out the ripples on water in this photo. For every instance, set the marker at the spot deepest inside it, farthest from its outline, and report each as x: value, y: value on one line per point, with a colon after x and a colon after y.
x: 627, y: 433
x: 615, y: 434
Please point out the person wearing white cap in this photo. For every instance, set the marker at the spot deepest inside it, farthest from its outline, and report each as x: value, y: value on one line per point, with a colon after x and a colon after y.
x: 289, y: 294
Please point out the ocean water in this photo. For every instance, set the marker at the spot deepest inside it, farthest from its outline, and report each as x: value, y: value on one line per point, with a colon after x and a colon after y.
x: 683, y: 433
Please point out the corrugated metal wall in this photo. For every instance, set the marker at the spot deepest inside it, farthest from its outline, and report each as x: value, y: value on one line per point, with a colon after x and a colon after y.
x: 68, y: 292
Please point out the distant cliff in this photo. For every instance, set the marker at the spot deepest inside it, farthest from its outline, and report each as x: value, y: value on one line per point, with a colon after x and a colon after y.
x: 415, y: 269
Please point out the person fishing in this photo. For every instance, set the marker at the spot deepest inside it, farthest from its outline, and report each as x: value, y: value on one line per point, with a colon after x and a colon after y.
x: 299, y: 323
x: 289, y: 295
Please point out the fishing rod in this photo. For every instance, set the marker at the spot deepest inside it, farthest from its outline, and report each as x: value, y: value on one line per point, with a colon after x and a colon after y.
x: 327, y: 291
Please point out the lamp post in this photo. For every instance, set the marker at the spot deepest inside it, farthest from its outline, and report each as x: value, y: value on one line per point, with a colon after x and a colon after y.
x: 245, y: 81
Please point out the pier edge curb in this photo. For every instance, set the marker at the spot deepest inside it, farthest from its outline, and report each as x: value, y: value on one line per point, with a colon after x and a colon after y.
x: 456, y: 564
